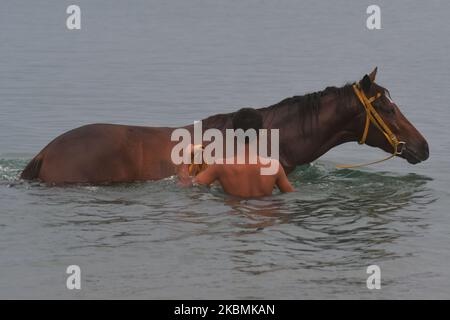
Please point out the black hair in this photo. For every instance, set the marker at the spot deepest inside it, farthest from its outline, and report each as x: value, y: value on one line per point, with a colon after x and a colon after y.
x: 247, y: 118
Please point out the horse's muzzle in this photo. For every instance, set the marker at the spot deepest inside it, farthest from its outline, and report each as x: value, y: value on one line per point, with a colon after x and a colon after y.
x: 415, y: 154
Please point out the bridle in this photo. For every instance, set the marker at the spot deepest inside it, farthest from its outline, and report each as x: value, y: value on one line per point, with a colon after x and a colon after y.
x: 373, y: 117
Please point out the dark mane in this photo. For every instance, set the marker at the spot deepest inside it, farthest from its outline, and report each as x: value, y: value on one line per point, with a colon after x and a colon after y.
x: 310, y: 102
x: 306, y: 108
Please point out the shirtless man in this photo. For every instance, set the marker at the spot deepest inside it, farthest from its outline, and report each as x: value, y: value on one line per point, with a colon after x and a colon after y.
x: 242, y: 180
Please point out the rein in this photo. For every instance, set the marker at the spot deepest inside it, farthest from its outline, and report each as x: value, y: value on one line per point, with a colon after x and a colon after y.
x: 372, y: 116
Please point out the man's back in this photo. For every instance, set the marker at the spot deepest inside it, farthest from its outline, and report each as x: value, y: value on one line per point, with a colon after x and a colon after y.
x: 245, y: 180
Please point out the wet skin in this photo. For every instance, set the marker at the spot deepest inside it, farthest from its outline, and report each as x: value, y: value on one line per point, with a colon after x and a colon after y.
x: 241, y: 180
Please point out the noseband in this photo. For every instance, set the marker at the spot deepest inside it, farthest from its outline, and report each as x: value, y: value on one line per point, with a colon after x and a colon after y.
x: 373, y: 117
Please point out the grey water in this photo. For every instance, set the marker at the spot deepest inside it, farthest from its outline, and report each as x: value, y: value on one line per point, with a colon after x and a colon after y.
x: 168, y: 63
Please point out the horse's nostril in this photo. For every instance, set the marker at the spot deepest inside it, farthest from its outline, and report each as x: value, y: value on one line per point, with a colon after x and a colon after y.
x: 425, y: 150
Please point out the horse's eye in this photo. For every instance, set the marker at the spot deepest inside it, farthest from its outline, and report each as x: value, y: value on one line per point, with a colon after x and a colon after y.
x: 391, y: 110
x: 388, y: 108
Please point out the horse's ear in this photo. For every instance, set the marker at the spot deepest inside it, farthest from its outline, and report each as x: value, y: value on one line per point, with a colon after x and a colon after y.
x: 365, y: 84
x: 373, y: 74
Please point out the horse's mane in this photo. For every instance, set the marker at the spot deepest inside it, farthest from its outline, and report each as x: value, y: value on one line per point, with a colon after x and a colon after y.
x: 306, y: 108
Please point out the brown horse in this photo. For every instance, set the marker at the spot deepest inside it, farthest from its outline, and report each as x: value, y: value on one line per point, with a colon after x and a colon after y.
x: 309, y: 125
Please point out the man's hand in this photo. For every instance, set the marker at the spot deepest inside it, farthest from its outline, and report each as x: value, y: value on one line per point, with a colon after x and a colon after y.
x: 185, y: 180
x: 185, y: 171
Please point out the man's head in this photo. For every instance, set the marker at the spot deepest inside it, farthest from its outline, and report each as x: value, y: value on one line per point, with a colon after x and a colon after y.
x: 247, y: 118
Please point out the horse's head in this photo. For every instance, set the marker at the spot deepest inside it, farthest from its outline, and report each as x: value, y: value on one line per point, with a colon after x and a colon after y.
x: 415, y: 148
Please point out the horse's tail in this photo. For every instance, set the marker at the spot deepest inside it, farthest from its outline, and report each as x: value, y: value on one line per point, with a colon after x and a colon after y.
x: 32, y: 169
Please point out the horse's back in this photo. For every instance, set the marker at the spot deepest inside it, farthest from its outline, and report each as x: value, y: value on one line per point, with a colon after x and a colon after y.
x: 97, y: 153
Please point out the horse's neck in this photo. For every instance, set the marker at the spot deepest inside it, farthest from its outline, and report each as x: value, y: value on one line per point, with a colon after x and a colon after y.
x: 331, y: 128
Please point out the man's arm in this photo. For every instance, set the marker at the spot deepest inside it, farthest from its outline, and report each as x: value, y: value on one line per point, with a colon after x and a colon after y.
x: 207, y: 176
x: 282, y: 181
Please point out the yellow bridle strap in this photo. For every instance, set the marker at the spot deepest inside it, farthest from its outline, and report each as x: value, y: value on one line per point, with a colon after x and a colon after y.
x: 372, y: 116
